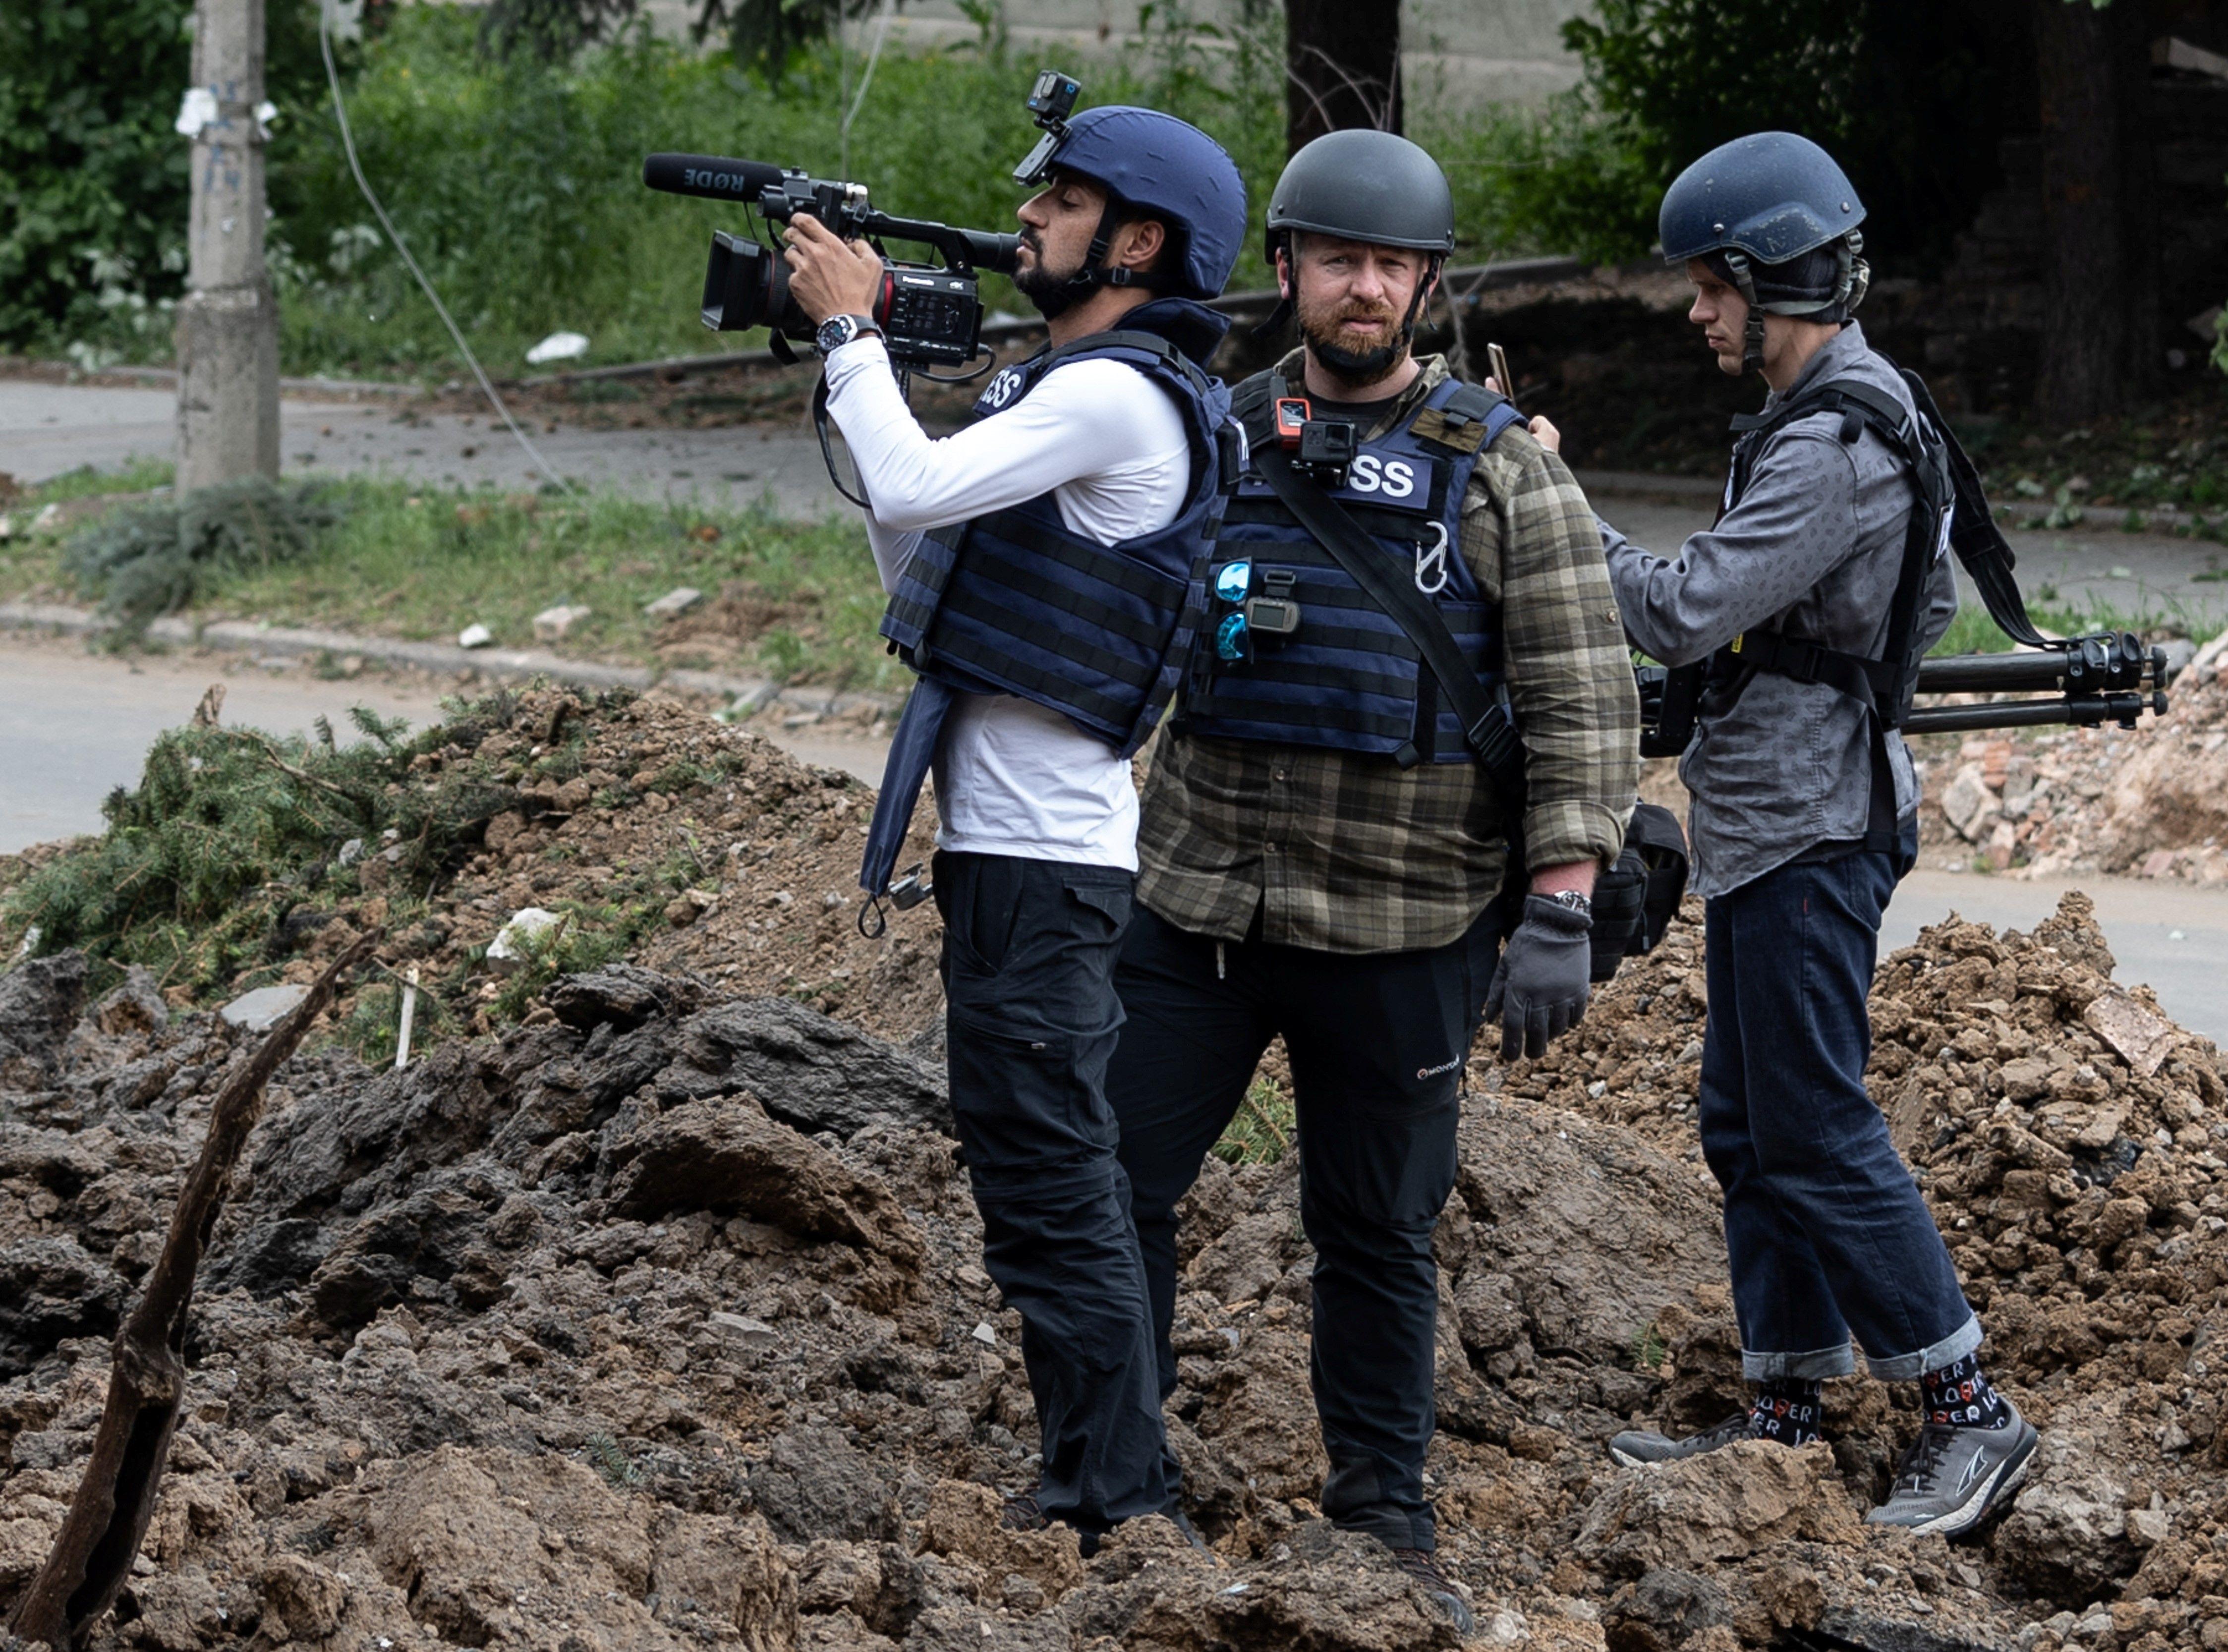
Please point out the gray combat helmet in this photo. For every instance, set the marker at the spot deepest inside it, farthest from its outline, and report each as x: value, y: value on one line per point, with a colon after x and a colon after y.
x: 1364, y: 186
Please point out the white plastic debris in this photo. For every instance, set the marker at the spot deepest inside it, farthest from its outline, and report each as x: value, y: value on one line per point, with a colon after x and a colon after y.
x: 984, y: 1334
x: 507, y: 950
x: 475, y: 636
x: 559, y: 347
x: 196, y: 110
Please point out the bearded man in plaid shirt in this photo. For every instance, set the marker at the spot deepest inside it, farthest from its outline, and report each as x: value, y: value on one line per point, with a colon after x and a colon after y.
x: 1321, y: 852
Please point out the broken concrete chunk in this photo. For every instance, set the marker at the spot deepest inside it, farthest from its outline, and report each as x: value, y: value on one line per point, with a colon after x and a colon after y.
x: 552, y: 624
x: 740, y: 1328
x: 2141, y: 1036
x: 676, y: 602
x: 1968, y: 804
x: 509, y: 950
x: 256, y: 1011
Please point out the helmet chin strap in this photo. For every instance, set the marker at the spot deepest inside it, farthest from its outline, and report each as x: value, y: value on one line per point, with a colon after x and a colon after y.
x: 1752, y: 330
x: 1096, y: 272
x: 1852, y: 279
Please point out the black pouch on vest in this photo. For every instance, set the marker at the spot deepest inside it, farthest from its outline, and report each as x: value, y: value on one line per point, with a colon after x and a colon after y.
x: 1635, y: 900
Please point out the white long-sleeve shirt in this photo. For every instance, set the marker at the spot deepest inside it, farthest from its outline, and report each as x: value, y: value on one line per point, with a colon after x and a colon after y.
x: 1011, y: 777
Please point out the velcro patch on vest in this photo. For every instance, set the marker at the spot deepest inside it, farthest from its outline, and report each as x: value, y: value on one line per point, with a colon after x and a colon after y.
x: 1462, y: 435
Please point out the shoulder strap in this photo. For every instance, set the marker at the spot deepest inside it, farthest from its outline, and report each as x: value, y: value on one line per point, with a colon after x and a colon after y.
x: 1485, y: 724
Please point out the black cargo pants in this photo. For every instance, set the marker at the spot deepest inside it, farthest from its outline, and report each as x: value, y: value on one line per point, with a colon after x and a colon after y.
x: 1377, y: 1042
x: 1031, y: 1019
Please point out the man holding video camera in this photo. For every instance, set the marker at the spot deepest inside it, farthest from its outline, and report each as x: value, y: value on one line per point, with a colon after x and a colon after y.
x: 1041, y: 564
x: 1823, y: 584
x: 1327, y: 822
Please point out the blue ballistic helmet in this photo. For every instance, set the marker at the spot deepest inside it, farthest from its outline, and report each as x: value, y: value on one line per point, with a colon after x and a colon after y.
x: 1778, y: 215
x: 1167, y: 169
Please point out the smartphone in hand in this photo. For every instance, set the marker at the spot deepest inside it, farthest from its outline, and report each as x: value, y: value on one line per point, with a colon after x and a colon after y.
x: 1497, y: 364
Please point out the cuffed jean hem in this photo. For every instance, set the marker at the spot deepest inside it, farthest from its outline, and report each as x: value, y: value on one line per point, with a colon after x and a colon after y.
x: 1814, y: 1365
x: 1906, y: 1368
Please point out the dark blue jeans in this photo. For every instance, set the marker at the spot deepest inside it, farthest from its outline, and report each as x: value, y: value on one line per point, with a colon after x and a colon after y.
x: 1030, y: 1018
x: 1825, y: 1229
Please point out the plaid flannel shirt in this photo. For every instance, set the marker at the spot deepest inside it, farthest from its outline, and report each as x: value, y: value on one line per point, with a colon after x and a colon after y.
x: 1345, y: 852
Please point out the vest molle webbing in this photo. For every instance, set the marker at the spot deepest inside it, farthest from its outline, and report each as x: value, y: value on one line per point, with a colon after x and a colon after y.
x: 1349, y: 678
x: 1017, y: 603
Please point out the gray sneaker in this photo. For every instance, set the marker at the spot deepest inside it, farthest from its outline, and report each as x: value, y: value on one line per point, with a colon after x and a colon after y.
x: 1636, y: 1447
x: 1954, y: 1479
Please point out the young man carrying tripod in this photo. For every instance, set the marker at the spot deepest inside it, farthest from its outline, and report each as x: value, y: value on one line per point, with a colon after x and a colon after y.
x: 1323, y: 844
x: 1040, y: 563
x: 1822, y: 584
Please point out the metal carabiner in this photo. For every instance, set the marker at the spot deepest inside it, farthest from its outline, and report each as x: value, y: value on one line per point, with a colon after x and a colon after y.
x: 1432, y: 570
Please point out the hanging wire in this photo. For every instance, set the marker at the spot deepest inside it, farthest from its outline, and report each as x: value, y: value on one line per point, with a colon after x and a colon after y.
x: 866, y: 79
x: 394, y: 236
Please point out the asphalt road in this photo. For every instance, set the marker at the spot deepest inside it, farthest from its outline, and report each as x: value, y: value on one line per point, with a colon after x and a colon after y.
x: 46, y: 429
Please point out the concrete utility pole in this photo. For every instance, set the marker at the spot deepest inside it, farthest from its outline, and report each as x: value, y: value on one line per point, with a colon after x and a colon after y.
x: 228, y: 328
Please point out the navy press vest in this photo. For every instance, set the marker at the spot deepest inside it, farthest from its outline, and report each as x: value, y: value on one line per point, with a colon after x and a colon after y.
x: 1349, y: 679
x: 1016, y: 602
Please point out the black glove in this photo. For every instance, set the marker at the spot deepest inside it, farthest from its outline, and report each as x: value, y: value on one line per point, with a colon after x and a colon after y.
x: 1540, y: 989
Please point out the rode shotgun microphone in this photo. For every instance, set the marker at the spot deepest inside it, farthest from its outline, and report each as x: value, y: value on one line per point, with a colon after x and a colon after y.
x: 714, y: 177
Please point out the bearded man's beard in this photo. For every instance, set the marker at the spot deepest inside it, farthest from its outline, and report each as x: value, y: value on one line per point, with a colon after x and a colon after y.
x: 1051, y: 294
x: 1319, y: 333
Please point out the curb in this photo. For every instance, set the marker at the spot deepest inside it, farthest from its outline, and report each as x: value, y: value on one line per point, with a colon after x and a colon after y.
x: 745, y: 695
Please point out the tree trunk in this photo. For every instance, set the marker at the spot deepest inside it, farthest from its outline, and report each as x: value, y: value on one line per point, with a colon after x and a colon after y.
x: 2099, y: 258
x: 1342, y: 67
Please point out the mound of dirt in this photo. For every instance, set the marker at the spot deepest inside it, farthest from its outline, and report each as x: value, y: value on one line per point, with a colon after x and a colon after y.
x: 650, y: 829
x: 2151, y: 801
x: 660, y: 1321
x: 2069, y: 1139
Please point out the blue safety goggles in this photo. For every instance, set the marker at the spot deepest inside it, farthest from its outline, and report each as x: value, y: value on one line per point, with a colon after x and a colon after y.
x: 1233, y: 640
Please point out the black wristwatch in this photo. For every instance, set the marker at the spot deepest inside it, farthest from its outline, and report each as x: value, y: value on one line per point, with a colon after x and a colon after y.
x: 1582, y: 905
x: 838, y: 331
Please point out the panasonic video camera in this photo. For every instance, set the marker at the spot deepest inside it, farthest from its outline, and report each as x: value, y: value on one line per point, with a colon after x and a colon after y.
x: 931, y: 314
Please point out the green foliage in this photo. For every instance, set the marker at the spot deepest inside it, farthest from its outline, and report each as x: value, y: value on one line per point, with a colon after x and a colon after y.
x: 768, y: 35
x: 611, y: 1461
x: 92, y: 171
x: 1261, y: 1130
x: 1910, y: 100
x: 229, y: 851
x: 159, y: 557
x: 551, y: 29
x: 517, y: 183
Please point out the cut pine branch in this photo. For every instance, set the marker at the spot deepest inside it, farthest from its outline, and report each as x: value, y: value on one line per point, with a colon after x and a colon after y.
x: 108, y: 1517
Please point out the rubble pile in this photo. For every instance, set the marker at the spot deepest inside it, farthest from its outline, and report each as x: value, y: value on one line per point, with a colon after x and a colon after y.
x: 2152, y: 802
x: 2072, y: 1144
x: 658, y: 1321
x: 624, y: 824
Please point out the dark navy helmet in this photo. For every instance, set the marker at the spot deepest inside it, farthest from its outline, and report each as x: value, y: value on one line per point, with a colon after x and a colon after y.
x: 1169, y: 169
x: 1774, y: 215
x: 1771, y: 195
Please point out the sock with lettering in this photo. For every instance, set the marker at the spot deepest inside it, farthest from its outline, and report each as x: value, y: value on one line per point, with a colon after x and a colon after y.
x: 1961, y: 1396
x: 1788, y: 1409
